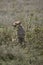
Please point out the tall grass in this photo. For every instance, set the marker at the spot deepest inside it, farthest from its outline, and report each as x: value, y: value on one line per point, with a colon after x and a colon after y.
x: 12, y: 53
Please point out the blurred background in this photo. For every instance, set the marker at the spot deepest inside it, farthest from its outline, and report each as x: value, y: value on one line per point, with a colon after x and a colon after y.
x: 30, y: 13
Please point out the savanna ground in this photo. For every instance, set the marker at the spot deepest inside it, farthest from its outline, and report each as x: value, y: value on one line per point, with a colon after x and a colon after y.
x: 31, y: 15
